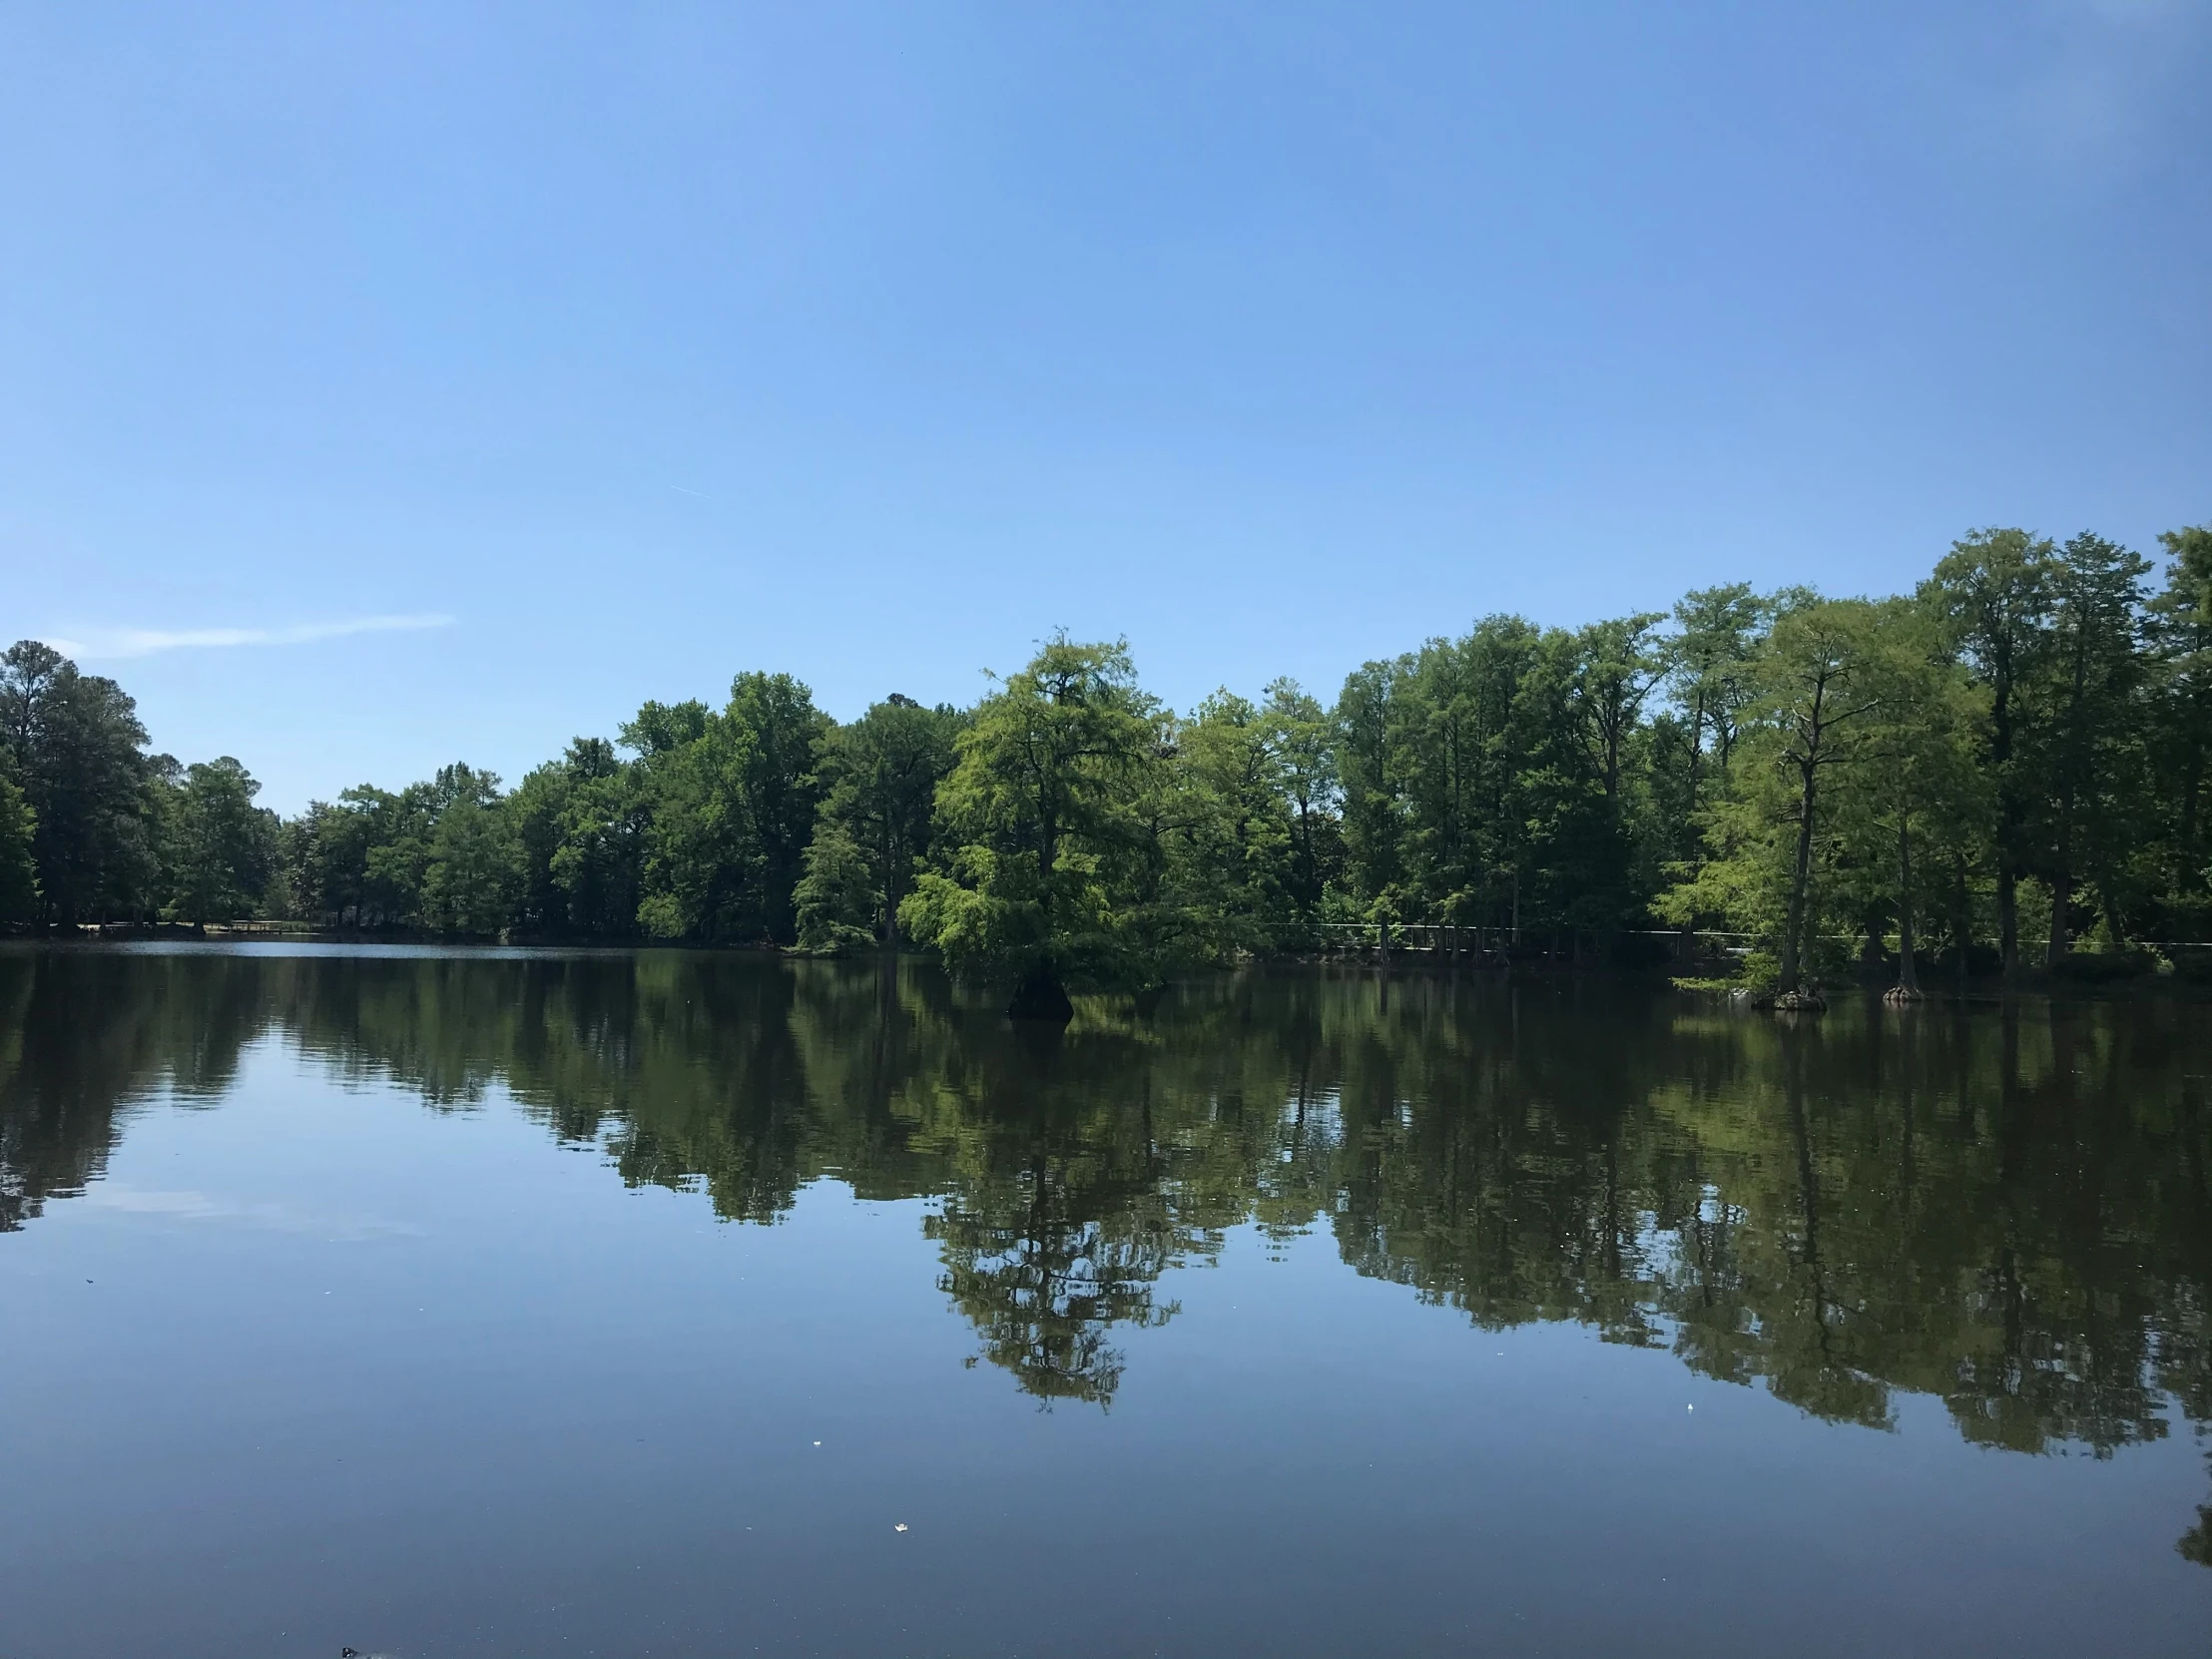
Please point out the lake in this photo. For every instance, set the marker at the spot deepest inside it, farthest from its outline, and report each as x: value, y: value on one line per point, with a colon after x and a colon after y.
x: 506, y: 1302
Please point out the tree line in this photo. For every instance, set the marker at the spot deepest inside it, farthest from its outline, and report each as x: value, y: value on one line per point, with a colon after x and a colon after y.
x: 1998, y: 770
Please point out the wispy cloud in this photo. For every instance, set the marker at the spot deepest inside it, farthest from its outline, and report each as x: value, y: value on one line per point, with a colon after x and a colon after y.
x: 144, y: 642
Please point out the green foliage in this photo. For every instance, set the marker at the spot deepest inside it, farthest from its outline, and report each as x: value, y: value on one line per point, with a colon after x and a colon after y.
x: 2087, y: 752
x: 1302, y: 748
x: 1992, y: 591
x: 1616, y: 665
x: 881, y: 776
x: 1706, y: 664
x: 219, y: 851
x: 1821, y: 681
x: 1487, y: 779
x: 1051, y: 855
x: 2020, y: 748
x: 1372, y: 817
x: 1914, y: 819
x: 730, y: 799
x: 2179, y: 736
x: 470, y: 882
x: 839, y: 901
x: 581, y: 824
x: 1230, y: 829
x: 376, y: 859
x: 72, y: 743
x: 19, y: 893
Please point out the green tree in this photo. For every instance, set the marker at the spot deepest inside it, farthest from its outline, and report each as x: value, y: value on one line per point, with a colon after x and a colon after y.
x: 2089, y: 751
x: 1918, y: 805
x: 779, y: 733
x: 1818, y: 679
x: 1994, y: 591
x: 1451, y: 763
x: 1373, y: 813
x: 880, y: 776
x: 367, y: 859
x: 72, y: 743
x: 410, y: 856
x: 221, y: 850
x: 1232, y: 837
x: 1608, y: 861
x: 839, y: 901
x: 339, y: 858
x: 1041, y: 875
x: 1708, y: 674
x: 1302, y: 741
x: 2181, y: 731
x: 1476, y: 791
x: 405, y: 828
x: 581, y: 827
x: 18, y: 867
x: 731, y: 799
x: 474, y: 874
x: 1709, y: 660
x: 1618, y: 664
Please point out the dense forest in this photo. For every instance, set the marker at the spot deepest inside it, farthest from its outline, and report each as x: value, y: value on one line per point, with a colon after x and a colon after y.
x: 2003, y: 770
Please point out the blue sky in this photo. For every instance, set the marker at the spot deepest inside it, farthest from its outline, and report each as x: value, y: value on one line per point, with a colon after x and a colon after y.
x: 382, y: 385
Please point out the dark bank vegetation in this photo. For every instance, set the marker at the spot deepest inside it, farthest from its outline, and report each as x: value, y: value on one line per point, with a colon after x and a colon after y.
x: 2003, y: 770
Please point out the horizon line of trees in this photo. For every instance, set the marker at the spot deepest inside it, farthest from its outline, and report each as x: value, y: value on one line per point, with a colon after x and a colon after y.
x: 1997, y: 771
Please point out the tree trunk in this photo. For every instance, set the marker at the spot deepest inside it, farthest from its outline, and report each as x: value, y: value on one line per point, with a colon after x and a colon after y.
x: 2008, y: 917
x: 2009, y: 825
x: 1792, y: 926
x: 2191, y: 784
x: 1908, y: 979
x: 890, y: 886
x: 1962, y: 926
x: 1688, y: 947
x: 1041, y: 997
x: 1870, y: 942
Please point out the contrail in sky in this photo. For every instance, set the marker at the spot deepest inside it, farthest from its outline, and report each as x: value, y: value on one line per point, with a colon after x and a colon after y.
x: 144, y: 642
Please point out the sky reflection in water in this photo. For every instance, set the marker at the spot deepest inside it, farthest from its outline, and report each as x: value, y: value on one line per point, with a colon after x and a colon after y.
x: 292, y: 1362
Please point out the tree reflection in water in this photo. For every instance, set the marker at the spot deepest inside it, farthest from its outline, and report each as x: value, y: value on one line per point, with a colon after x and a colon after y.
x: 2007, y: 1208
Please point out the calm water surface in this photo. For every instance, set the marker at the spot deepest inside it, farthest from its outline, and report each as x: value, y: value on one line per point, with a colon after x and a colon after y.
x: 508, y: 1303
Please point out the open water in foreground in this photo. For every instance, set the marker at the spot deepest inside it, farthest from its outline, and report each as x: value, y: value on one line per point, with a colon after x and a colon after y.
x: 521, y: 1304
